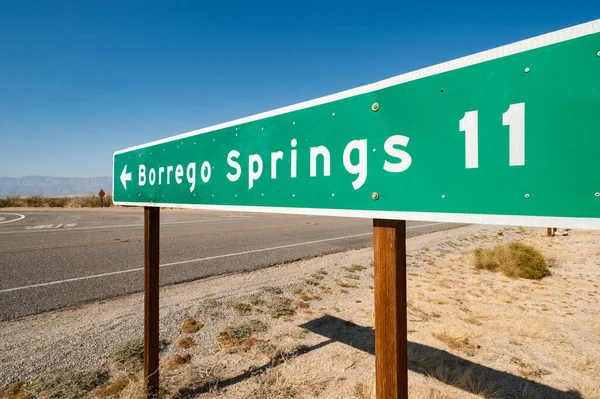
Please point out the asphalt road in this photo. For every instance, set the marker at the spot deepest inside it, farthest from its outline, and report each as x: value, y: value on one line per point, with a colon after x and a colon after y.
x: 56, y: 259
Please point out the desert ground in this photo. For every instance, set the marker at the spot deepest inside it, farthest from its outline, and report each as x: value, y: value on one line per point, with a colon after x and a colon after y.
x: 305, y: 329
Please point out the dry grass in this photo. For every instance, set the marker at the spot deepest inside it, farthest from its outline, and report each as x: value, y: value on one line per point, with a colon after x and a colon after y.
x: 534, y: 330
x: 176, y: 361
x: 129, y: 354
x: 345, y: 284
x: 65, y: 383
x: 531, y: 391
x: 280, y: 354
x: 273, y: 290
x: 38, y: 201
x: 241, y: 335
x: 274, y: 384
x: 589, y: 391
x: 364, y: 391
x: 473, y: 320
x: 306, y: 296
x: 354, y: 268
x: 18, y: 390
x: 531, y: 372
x: 301, y: 305
x: 313, y: 282
x: 474, y: 380
x: 587, y: 364
x: 197, y: 380
x: 242, y: 308
x: 256, y: 300
x: 326, y: 290
x: 426, y: 393
x: 186, y: 343
x: 191, y: 326
x: 112, y: 388
x: 456, y: 341
x: 266, y: 348
x: 11, y: 202
x: 269, y: 303
x: 451, y: 371
x: 135, y: 388
x: 514, y: 260
x: 279, y: 306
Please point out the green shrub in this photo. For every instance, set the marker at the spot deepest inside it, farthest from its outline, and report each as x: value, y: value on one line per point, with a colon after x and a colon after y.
x: 514, y: 260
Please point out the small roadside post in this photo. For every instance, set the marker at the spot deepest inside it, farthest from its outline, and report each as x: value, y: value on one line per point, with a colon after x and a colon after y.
x: 466, y: 141
x: 101, y: 194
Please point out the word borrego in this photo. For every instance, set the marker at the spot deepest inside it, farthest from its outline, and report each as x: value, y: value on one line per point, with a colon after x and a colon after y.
x: 399, y: 161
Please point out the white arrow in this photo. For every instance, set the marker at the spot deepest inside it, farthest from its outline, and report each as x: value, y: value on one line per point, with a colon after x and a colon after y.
x: 125, y: 177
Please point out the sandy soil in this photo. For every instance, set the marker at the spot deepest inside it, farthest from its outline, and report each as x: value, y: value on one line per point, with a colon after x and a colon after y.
x: 471, y: 333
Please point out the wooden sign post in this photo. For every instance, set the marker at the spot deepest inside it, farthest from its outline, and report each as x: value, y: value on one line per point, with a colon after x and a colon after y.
x: 391, y: 362
x: 151, y: 270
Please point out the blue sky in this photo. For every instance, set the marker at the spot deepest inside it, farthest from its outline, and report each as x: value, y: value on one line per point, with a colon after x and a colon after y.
x: 81, y: 79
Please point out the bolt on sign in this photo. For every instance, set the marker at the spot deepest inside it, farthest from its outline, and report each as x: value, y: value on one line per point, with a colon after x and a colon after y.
x: 506, y: 136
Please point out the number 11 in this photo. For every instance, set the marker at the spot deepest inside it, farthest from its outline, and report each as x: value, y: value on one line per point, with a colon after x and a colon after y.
x: 514, y: 118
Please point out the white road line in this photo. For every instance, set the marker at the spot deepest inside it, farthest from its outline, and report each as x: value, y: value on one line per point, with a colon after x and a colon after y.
x: 121, y: 226
x: 21, y: 217
x: 70, y: 280
x: 280, y: 247
x: 179, y: 263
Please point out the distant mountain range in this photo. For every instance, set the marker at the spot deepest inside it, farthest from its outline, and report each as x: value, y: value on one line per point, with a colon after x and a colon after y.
x: 44, y: 185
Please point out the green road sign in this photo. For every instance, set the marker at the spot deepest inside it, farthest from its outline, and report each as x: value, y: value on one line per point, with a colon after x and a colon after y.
x: 507, y: 136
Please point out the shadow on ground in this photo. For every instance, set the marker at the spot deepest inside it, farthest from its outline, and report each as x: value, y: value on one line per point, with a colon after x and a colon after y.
x: 439, y: 364
x: 432, y: 362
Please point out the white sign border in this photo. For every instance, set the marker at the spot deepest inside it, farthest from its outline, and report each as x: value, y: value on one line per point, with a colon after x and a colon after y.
x: 470, y: 218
